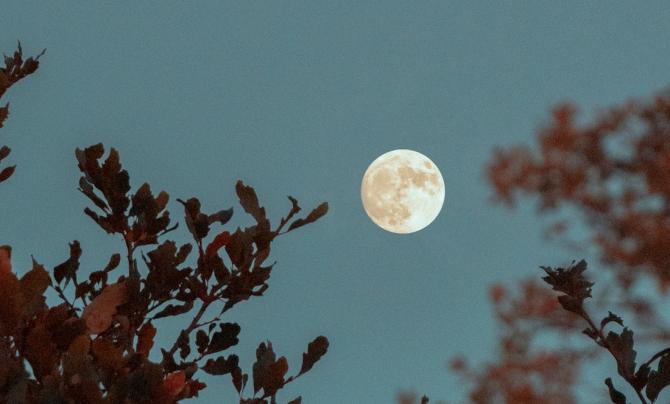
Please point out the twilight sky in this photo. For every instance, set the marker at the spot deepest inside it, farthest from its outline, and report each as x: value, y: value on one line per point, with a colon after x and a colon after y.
x: 298, y: 98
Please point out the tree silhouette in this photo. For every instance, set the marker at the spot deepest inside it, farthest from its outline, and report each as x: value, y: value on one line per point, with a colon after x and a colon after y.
x: 613, y: 176
x: 94, y: 346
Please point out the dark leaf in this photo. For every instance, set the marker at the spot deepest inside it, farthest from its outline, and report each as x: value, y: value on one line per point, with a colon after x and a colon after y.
x: 174, y: 310
x: 86, y: 188
x: 221, y: 365
x: 572, y: 283
x: 114, y: 262
x: 184, y: 344
x: 68, y: 270
x: 222, y: 216
x: 315, y: 350
x: 641, y: 377
x: 615, y: 395
x: 297, y: 400
x: 6, y: 173
x: 219, y: 241
x: 611, y: 317
x: 249, y: 201
x: 12, y: 307
x: 4, y: 152
x: 239, y: 380
x: 225, y: 338
x: 313, y: 216
x: 201, y: 341
x: 196, y: 221
x: 145, y: 339
x: 35, y: 282
x: 265, y: 357
x: 659, y: 378
x: 621, y: 346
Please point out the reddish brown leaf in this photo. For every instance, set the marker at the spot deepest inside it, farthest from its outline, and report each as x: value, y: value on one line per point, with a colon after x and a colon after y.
x: 4, y: 152
x: 107, y: 355
x: 221, y: 365
x: 219, y: 241
x: 249, y: 201
x: 313, y: 216
x: 11, y: 309
x: 174, y: 383
x: 98, y: 314
x: 6, y: 173
x: 145, y: 339
x: 315, y: 350
x: 5, y: 259
x: 225, y: 338
x: 67, y: 270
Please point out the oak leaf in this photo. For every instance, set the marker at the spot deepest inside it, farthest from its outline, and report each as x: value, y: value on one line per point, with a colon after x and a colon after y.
x: 98, y: 314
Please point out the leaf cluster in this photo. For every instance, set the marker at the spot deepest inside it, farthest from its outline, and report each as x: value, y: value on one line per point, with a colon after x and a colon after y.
x: 96, y: 345
x: 646, y: 382
x: 15, y: 69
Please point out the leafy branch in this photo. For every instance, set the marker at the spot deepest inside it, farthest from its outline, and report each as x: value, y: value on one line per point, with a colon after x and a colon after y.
x: 574, y: 288
x: 94, y: 347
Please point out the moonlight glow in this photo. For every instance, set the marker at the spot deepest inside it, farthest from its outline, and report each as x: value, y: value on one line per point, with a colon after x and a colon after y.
x: 402, y: 191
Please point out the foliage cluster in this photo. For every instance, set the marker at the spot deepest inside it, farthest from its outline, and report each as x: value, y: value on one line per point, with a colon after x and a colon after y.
x: 94, y: 346
x: 609, y: 177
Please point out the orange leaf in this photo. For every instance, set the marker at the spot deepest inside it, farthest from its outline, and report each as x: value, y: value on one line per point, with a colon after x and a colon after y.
x: 5, y: 259
x: 98, y: 314
x: 174, y: 383
x: 145, y: 339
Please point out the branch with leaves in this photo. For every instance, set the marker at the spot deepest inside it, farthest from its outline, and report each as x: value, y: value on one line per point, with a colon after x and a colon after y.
x: 15, y: 69
x: 95, y: 346
x: 574, y: 288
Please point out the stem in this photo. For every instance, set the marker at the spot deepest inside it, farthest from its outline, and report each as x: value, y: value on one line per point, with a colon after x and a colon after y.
x: 191, y: 327
x: 62, y: 296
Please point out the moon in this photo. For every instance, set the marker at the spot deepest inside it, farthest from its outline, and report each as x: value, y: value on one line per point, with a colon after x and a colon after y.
x: 402, y: 191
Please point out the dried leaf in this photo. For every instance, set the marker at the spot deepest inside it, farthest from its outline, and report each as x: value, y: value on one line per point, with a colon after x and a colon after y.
x: 99, y: 313
x: 659, y: 378
x: 222, y: 216
x: 4, y: 151
x: 6, y: 173
x: 572, y: 282
x: 201, y: 341
x: 315, y: 350
x: 611, y: 317
x: 174, y: 383
x: 34, y: 283
x: 313, y: 216
x: 219, y: 241
x: 225, y: 338
x: 265, y: 357
x: 221, y: 365
x: 68, y: 270
x: 145, y: 339
x: 621, y: 346
x: 249, y: 201
x: 5, y: 259
x: 174, y: 310
x: 615, y: 395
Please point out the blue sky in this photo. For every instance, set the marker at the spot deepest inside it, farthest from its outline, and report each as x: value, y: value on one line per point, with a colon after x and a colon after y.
x: 298, y: 98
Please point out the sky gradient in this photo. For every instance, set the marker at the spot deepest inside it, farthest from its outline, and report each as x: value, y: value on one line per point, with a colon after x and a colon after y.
x: 299, y: 98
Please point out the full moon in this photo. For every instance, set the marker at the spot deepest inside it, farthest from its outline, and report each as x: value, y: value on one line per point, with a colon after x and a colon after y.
x: 402, y: 191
